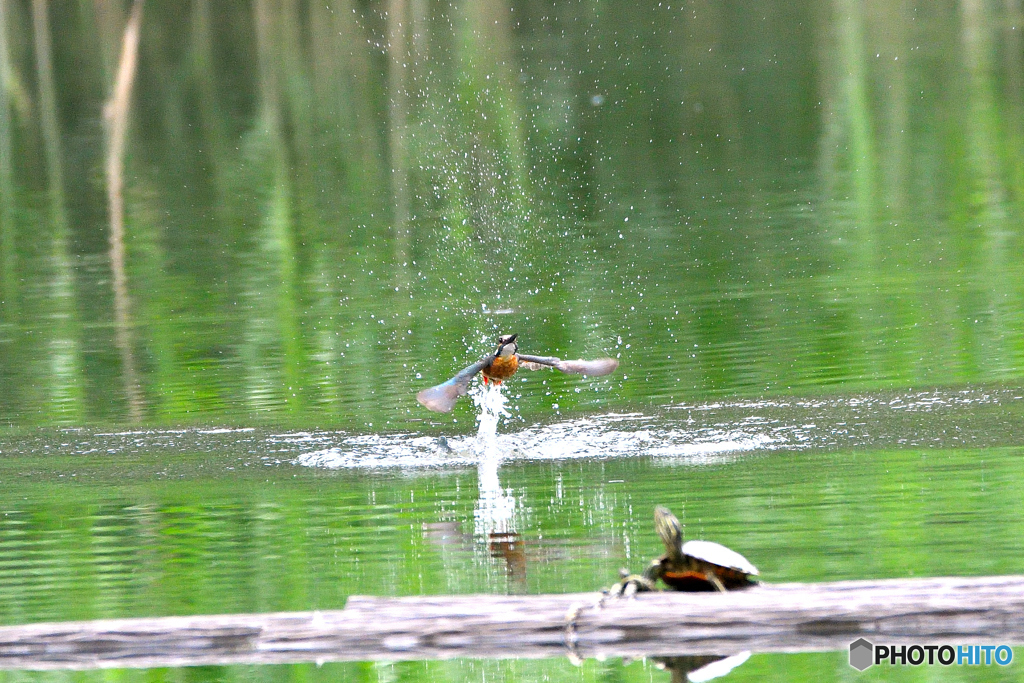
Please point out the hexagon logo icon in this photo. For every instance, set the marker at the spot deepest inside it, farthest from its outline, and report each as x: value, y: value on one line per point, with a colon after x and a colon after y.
x: 862, y: 654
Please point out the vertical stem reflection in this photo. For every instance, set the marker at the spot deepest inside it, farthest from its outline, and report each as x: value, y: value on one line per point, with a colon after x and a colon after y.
x: 398, y: 109
x: 116, y: 116
x: 7, y: 256
x: 64, y: 390
x: 48, y: 110
x: 275, y: 320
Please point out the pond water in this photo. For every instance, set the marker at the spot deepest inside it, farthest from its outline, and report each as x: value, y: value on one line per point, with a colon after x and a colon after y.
x: 100, y: 524
x: 798, y: 227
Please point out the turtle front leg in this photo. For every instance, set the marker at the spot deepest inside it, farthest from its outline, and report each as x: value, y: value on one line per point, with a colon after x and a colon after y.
x: 631, y: 584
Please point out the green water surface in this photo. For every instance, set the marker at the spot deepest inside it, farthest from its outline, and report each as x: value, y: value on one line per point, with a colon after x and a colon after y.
x: 798, y: 226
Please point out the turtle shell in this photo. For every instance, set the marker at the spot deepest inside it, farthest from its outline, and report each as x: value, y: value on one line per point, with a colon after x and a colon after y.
x: 720, y: 556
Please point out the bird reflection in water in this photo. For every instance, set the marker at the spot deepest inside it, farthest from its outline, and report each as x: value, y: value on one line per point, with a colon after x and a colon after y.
x: 495, y: 515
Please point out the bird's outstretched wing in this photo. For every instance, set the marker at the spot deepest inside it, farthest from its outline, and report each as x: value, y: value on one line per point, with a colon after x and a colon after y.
x: 593, y: 368
x: 441, y: 398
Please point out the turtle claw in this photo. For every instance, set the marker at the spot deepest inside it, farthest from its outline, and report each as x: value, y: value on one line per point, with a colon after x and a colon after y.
x: 630, y: 584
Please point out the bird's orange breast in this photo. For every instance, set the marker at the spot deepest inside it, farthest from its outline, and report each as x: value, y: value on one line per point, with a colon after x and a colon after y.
x: 502, y: 367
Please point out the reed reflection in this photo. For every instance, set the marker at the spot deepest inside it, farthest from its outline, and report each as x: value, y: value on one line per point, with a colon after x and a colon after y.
x: 319, y: 201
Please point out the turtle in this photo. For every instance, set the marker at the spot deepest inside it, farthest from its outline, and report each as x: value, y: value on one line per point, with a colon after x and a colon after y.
x: 692, y: 566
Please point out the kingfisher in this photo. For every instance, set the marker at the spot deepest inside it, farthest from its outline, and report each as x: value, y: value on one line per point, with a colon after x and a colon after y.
x: 502, y: 364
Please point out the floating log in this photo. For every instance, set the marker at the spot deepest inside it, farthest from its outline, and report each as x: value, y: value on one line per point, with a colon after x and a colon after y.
x: 796, y: 617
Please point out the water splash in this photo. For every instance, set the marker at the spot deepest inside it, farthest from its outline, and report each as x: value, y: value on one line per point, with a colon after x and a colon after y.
x: 495, y: 509
x: 491, y: 401
x: 691, y: 434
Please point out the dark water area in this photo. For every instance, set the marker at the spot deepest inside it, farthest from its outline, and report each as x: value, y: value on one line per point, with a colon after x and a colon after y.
x: 798, y: 227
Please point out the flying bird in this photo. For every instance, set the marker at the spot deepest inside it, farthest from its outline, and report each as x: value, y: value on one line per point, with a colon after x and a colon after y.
x: 502, y: 364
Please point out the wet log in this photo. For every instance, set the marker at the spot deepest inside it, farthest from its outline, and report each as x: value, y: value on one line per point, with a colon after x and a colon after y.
x: 768, y: 618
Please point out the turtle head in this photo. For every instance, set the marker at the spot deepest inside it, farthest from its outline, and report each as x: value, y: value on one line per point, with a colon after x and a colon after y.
x: 507, y: 345
x: 670, y: 531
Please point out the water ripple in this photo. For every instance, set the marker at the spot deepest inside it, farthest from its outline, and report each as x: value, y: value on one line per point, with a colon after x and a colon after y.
x: 701, y: 434
x: 690, y: 434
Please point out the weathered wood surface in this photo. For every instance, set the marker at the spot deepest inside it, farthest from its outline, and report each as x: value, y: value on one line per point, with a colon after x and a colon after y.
x: 768, y: 618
